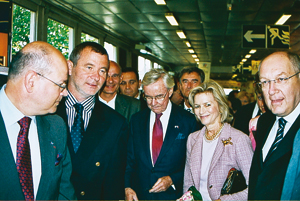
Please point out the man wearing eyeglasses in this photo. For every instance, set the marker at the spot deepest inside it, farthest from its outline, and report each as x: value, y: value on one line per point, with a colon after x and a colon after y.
x: 109, y: 95
x: 97, y: 135
x: 36, y: 163
x: 157, y: 143
x: 280, y: 83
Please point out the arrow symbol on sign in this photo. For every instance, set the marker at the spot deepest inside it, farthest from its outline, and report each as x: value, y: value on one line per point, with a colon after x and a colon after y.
x: 249, y: 36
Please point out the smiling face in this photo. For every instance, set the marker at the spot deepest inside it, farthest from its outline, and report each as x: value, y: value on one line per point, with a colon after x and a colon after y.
x: 113, y: 79
x: 89, y: 75
x: 281, y: 99
x: 207, y: 109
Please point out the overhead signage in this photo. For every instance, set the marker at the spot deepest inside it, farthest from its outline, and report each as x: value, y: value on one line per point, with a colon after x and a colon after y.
x: 266, y: 36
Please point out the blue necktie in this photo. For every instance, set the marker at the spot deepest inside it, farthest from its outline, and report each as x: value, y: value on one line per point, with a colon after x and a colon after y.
x: 279, y: 137
x: 78, y: 127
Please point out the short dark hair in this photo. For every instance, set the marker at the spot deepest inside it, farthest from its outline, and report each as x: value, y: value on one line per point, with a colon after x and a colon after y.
x: 96, y: 47
x: 130, y: 69
x: 189, y: 70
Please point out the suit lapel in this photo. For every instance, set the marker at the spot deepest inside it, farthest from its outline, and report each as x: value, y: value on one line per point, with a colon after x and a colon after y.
x: 48, y: 152
x: 120, y: 105
x: 171, y: 133
x: 9, y: 170
x: 196, y: 158
x: 146, y: 136
x: 96, y: 130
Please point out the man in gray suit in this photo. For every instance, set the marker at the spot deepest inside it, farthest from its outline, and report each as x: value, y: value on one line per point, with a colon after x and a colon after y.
x: 125, y: 105
x: 35, y: 159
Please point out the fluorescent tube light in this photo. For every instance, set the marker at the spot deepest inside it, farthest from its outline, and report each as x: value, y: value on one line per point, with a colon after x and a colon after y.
x: 170, y: 17
x: 191, y: 51
x: 196, y: 59
x: 283, y: 19
x: 188, y: 43
x: 180, y: 34
x: 244, y: 60
x: 248, y: 56
x: 252, y: 51
x: 194, y: 56
x: 160, y: 2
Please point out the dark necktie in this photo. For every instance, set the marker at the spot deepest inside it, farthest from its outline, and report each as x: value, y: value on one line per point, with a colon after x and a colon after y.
x: 24, y: 160
x: 78, y: 127
x: 279, y: 137
x: 157, y: 138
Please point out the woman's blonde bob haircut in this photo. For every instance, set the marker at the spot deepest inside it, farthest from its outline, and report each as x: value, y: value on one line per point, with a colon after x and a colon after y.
x: 219, y: 95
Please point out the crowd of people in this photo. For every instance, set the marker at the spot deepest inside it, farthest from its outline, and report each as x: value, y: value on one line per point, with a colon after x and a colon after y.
x: 82, y: 129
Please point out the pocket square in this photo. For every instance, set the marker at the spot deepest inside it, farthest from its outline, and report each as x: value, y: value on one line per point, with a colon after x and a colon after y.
x: 180, y: 136
x: 58, y: 159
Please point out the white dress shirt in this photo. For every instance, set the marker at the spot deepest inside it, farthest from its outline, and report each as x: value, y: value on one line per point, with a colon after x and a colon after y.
x: 164, y: 121
x: 110, y: 103
x: 11, y: 115
x: 272, y: 135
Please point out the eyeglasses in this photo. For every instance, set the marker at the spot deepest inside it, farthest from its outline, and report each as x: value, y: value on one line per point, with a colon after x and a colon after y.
x: 63, y: 86
x: 279, y: 81
x: 158, y: 98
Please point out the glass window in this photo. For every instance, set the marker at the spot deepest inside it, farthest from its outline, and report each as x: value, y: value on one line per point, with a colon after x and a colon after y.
x: 86, y: 37
x: 111, y: 51
x: 23, y: 28
x: 60, y: 36
x: 144, y: 65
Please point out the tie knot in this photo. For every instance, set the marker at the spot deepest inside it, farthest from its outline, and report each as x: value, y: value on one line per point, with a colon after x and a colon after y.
x: 24, y: 122
x: 78, y: 107
x: 158, y: 115
x: 282, y: 122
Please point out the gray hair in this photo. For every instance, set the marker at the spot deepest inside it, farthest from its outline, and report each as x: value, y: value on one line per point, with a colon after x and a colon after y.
x: 219, y: 95
x: 154, y: 75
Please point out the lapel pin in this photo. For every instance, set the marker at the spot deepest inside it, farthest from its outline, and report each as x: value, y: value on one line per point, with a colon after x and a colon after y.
x: 176, y: 126
x: 226, y: 142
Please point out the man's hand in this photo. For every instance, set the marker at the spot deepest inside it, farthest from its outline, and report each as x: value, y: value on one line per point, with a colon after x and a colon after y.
x: 161, y: 185
x: 130, y: 194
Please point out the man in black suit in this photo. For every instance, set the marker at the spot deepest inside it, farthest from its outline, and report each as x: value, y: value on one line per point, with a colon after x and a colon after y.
x: 157, y: 143
x: 36, y: 150
x: 125, y: 105
x: 189, y: 78
x: 280, y: 82
x: 97, y: 136
x: 130, y: 85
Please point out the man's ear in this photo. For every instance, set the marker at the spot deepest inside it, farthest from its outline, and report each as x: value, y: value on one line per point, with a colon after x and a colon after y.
x: 30, y: 80
x: 170, y: 92
x: 70, y: 66
x: 121, y: 78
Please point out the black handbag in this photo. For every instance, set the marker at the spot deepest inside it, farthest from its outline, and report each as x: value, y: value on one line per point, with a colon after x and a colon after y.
x: 235, y: 182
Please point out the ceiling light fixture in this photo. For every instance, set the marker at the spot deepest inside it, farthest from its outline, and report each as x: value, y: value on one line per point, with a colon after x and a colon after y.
x: 191, y: 51
x: 241, y: 62
x: 170, y: 17
x: 194, y: 56
x: 181, y: 34
x: 160, y: 2
x: 248, y: 56
x: 283, y: 19
x: 252, y: 51
x: 187, y: 43
x: 244, y: 60
x: 196, y: 59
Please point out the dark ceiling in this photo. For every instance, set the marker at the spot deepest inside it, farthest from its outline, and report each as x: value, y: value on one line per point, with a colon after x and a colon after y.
x: 214, y: 32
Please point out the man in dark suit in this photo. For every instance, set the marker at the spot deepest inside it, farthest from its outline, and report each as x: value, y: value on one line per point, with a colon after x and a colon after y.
x: 280, y: 82
x: 35, y: 159
x: 130, y: 85
x: 97, y: 135
x: 189, y: 78
x: 157, y: 143
x: 125, y: 105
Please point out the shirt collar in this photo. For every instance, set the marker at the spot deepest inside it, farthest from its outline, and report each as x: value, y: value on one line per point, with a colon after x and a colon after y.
x: 88, y: 104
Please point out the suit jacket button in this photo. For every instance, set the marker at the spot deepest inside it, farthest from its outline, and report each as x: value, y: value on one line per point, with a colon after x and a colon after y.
x: 98, y: 164
x: 210, y: 186
x: 82, y: 193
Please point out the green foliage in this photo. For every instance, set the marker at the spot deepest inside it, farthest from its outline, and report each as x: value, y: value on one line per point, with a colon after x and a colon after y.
x: 86, y: 37
x: 58, y: 36
x: 21, y: 28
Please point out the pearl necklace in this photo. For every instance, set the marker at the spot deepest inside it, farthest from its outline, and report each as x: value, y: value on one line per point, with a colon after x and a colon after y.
x: 214, y: 136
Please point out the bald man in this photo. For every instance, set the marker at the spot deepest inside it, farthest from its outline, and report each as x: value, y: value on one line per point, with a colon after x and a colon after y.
x: 125, y: 105
x: 33, y: 144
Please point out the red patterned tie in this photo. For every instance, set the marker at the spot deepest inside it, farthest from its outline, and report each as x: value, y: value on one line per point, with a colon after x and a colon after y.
x: 157, y: 138
x: 23, y: 159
